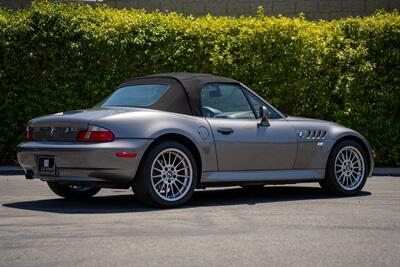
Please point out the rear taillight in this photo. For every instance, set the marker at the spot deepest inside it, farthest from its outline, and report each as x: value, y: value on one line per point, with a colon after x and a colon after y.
x: 95, y: 134
x: 29, y: 134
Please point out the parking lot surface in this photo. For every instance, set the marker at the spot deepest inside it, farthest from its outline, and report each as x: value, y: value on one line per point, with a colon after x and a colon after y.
x: 296, y: 225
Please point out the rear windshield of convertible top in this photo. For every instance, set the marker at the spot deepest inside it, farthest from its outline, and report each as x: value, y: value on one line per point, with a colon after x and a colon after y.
x: 139, y: 95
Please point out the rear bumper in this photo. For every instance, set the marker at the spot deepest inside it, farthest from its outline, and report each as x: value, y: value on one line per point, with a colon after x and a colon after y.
x: 84, y: 162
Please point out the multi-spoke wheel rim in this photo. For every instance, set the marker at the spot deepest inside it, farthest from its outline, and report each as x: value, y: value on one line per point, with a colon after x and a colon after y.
x: 349, y: 168
x: 171, y: 174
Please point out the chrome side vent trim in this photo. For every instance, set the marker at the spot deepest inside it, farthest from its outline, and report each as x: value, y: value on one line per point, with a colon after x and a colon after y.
x: 315, y: 134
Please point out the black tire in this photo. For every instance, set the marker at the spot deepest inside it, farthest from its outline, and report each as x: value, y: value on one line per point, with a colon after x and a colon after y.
x: 330, y: 183
x: 70, y: 192
x: 142, y: 185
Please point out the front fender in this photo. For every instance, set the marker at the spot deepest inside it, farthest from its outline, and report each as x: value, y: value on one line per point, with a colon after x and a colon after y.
x: 313, y: 153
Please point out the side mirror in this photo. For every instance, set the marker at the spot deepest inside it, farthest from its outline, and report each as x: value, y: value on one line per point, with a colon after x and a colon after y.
x: 263, y: 113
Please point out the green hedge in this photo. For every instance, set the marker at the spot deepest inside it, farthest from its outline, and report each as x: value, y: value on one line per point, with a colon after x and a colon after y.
x: 56, y: 57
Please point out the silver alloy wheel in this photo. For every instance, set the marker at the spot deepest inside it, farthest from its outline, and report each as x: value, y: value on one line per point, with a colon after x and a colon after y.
x: 171, y: 174
x: 349, y: 168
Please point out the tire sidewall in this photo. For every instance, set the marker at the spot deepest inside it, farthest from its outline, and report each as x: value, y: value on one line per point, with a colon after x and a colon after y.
x: 146, y: 174
x: 333, y: 183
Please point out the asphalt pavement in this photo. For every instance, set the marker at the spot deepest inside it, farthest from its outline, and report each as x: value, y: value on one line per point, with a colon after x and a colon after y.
x: 296, y: 225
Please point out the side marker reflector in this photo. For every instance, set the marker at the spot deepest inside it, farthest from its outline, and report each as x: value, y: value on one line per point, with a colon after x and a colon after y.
x: 373, y: 155
x: 126, y: 154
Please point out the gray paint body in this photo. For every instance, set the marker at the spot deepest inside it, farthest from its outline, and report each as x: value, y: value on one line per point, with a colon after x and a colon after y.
x: 253, y: 147
x: 251, y: 153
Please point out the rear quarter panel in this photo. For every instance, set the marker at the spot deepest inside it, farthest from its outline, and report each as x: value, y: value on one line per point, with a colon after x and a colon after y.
x: 151, y: 124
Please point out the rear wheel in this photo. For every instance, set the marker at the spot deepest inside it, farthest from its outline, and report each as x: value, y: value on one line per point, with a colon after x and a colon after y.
x: 167, y: 177
x: 72, y: 191
x: 346, y: 171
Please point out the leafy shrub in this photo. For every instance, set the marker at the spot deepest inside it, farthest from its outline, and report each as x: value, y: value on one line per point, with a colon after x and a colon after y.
x: 56, y: 57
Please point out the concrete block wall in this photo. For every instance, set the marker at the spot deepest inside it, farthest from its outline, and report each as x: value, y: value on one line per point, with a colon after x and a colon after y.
x: 313, y: 9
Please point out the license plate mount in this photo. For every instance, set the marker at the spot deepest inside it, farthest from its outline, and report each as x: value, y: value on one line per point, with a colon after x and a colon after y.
x: 46, y: 165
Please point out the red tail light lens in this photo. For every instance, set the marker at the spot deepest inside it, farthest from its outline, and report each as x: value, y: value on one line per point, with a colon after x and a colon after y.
x: 95, y: 134
x: 29, y: 134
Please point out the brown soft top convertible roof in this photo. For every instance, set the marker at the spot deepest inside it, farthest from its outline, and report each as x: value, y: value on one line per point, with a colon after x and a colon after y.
x: 184, y: 93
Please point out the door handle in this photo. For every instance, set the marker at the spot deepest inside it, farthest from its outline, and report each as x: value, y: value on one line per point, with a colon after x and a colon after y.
x: 225, y: 130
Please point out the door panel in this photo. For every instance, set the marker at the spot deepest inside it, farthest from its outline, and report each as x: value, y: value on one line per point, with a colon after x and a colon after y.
x: 243, y: 145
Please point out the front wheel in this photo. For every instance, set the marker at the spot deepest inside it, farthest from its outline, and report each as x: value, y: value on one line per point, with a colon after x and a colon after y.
x: 167, y: 177
x: 347, y: 169
x: 72, y: 191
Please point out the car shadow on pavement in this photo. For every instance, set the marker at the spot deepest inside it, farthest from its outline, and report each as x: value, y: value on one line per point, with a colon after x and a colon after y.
x: 201, y: 198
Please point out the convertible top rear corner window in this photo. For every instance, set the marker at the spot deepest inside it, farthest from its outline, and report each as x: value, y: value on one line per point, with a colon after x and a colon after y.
x: 140, y: 95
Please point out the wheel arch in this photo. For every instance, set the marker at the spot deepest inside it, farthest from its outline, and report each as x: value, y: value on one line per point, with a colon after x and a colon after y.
x: 182, y: 139
x: 364, y: 145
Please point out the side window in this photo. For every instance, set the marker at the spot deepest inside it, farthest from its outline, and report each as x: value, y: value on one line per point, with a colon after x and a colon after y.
x: 257, y: 103
x: 225, y: 101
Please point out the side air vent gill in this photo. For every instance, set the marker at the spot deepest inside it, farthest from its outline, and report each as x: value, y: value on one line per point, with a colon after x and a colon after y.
x: 315, y: 134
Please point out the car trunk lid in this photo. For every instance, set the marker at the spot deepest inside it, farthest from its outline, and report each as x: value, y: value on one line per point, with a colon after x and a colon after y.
x: 65, y: 126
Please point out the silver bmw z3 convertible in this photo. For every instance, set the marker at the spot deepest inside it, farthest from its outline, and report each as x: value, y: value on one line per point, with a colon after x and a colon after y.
x: 165, y: 135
